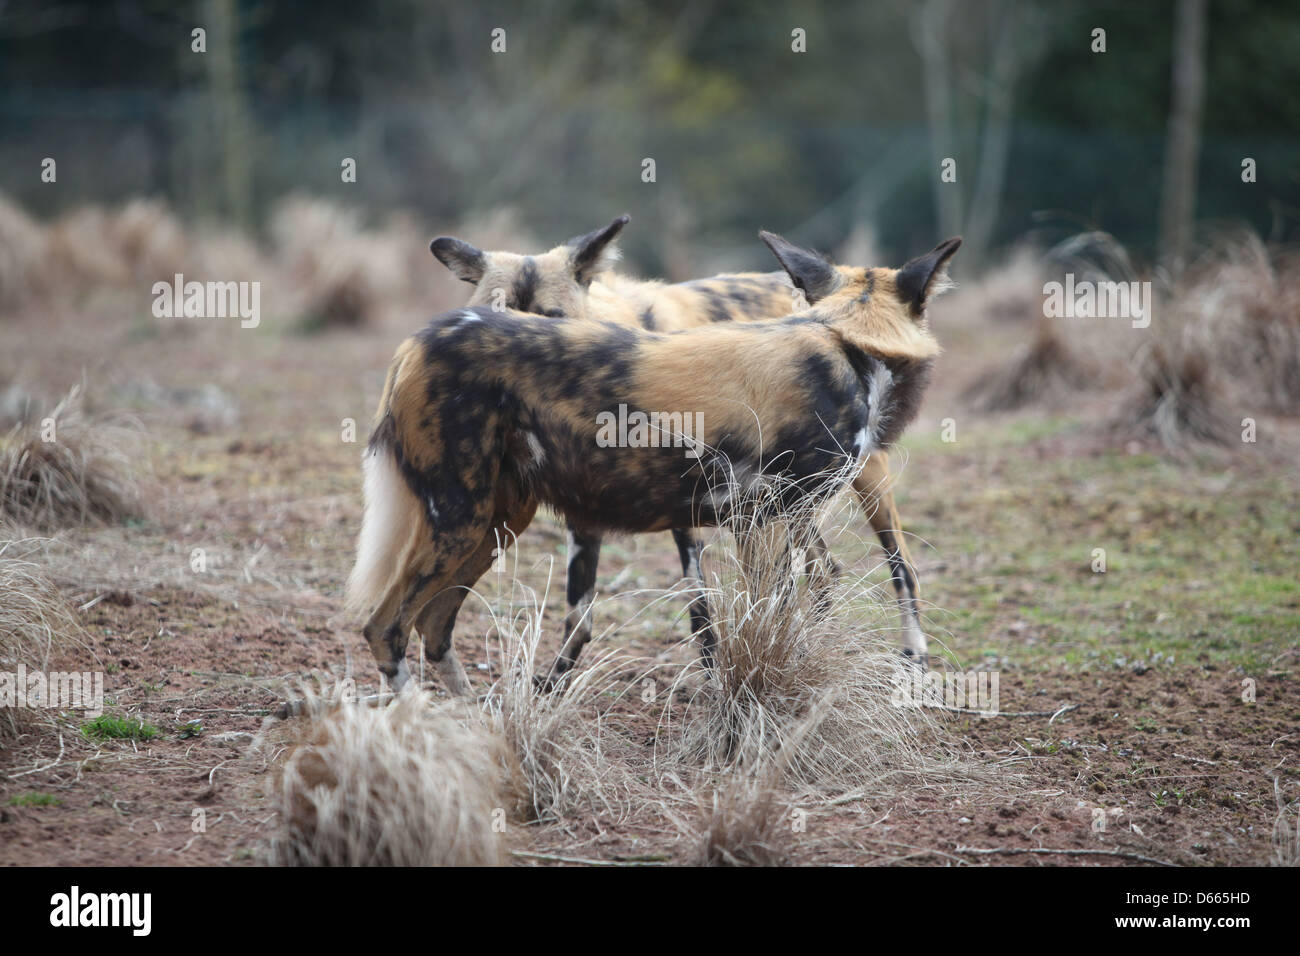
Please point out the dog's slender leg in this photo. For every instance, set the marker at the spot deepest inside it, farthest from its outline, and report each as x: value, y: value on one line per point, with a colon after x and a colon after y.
x: 386, y: 637
x: 437, y: 620
x: 429, y: 564
x: 688, y: 549
x: 435, y: 625
x: 877, y: 500
x: 584, y: 559
x: 389, y: 626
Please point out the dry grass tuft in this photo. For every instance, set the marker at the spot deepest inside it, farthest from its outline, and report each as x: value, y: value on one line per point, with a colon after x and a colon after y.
x: 17, y: 405
x: 148, y: 240
x: 92, y: 248
x: 408, y: 784
x: 1178, y: 401
x: 1046, y: 372
x: 745, y: 822
x: 81, y: 254
x: 35, y: 623
x: 22, y: 254
x: 85, y: 473
x: 1062, y: 357
x: 1225, y: 332
x: 226, y: 255
x: 1286, y: 830
x: 339, y: 274
x: 1247, y: 299
x: 322, y: 266
x: 806, y: 685
x: 807, y: 701
x: 1010, y: 293
x: 1181, y: 371
x: 556, y: 737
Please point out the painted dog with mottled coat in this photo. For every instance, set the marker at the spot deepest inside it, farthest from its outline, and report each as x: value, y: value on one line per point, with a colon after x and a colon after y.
x: 554, y: 284
x: 486, y: 414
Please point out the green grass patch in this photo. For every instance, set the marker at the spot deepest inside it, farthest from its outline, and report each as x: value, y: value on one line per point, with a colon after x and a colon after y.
x: 34, y: 800
x: 108, y: 727
x: 1199, y: 557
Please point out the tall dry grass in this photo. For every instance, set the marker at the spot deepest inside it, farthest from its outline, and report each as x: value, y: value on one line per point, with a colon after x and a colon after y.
x: 804, y: 704
x: 1223, y: 342
x: 746, y: 820
x: 411, y: 783
x: 1176, y: 367
x: 337, y: 273
x: 131, y: 246
x: 801, y: 709
x: 1178, y: 399
x: 1207, y: 357
x: 36, y: 623
x: 1010, y: 292
x: 806, y: 671
x: 88, y: 249
x: 1286, y: 829
x: 1244, y: 299
x: 22, y: 254
x: 320, y: 265
x: 69, y: 468
x: 1058, y: 358
x: 1046, y: 371
x: 558, y: 737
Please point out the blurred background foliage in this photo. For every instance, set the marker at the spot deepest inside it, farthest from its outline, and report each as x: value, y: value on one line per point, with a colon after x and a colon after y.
x: 844, y: 139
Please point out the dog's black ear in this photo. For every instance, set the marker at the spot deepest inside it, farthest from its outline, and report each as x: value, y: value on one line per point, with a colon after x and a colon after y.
x: 465, y: 261
x: 808, y: 270
x: 926, y: 276
x: 595, y: 252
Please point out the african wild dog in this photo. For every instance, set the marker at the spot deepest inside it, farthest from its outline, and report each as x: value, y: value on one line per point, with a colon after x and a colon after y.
x: 552, y: 284
x: 485, y: 415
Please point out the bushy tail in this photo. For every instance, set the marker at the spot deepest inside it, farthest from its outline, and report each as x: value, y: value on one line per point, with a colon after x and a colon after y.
x: 393, y: 520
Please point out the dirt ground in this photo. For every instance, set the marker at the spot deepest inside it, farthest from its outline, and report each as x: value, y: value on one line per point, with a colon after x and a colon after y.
x: 1121, y: 693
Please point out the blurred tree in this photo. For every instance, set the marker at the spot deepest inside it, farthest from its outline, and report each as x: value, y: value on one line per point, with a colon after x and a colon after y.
x: 746, y: 131
x: 233, y: 139
x: 1012, y: 40
x: 929, y: 32
x: 1178, y: 196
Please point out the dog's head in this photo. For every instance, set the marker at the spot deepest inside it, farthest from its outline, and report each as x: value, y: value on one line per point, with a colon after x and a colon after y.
x: 552, y: 284
x: 885, y: 308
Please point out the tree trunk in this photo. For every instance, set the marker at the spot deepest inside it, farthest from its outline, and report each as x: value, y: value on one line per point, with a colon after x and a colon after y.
x: 233, y: 142
x: 929, y: 32
x: 995, y: 142
x: 1178, y: 199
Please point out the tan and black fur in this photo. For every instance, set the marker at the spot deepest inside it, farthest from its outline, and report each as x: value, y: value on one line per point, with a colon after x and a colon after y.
x: 486, y: 415
x: 552, y: 284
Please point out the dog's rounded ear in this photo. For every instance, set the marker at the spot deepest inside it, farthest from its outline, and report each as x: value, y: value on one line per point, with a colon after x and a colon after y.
x: 595, y: 252
x: 926, y: 277
x: 465, y: 261
x: 808, y: 270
